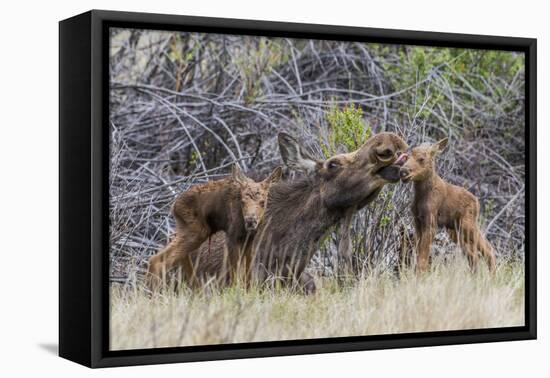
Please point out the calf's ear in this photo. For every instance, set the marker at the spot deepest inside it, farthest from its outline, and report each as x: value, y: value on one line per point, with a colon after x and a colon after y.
x: 274, y: 176
x: 439, y: 146
x: 294, y: 156
x: 237, y: 175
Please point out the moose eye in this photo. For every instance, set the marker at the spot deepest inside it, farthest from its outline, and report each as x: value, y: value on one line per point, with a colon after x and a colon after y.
x: 333, y: 164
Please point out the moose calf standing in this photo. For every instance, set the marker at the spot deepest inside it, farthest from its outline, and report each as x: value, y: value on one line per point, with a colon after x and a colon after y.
x: 235, y: 205
x: 438, y: 203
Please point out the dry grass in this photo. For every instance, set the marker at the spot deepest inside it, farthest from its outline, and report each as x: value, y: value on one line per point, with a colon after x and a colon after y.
x: 449, y: 297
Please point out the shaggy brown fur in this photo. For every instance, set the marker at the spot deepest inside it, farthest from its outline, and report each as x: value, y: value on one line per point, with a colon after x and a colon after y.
x: 300, y: 212
x: 235, y: 205
x: 440, y: 204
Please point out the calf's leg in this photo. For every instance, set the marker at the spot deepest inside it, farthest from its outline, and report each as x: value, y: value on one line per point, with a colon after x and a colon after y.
x: 155, y: 272
x: 425, y: 233
x: 468, y: 241
x: 178, y: 254
x: 487, y: 251
x: 307, y: 283
x: 423, y: 253
x: 345, y: 245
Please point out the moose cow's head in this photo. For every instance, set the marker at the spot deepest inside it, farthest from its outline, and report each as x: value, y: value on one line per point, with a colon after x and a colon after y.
x: 348, y: 179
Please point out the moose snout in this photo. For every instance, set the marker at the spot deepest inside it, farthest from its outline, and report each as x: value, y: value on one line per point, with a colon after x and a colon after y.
x: 250, y: 223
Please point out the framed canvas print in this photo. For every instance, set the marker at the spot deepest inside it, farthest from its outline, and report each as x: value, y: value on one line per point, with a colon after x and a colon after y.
x: 233, y: 188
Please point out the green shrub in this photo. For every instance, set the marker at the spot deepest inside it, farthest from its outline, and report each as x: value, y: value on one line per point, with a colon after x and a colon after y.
x: 346, y: 130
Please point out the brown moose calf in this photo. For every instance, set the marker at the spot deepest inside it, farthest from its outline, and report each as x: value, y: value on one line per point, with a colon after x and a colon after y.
x: 235, y: 205
x: 440, y: 204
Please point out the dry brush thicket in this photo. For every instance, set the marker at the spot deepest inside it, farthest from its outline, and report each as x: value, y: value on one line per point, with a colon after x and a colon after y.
x: 184, y: 107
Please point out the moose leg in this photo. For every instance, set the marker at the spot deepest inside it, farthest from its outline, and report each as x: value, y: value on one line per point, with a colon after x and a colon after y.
x: 487, y: 251
x: 425, y: 231
x: 156, y: 273
x: 468, y: 241
x: 164, y: 261
x: 187, y: 243
x: 405, y: 250
x: 424, y: 248
x: 178, y: 254
x: 234, y: 249
x: 240, y: 256
x: 307, y: 283
x: 249, y: 256
x: 453, y: 235
x: 344, y: 247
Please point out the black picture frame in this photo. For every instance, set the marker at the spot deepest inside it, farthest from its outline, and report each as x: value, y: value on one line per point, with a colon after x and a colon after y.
x: 83, y: 196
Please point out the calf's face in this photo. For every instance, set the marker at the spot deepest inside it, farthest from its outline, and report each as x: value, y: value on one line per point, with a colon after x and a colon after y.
x: 419, y: 164
x: 253, y: 195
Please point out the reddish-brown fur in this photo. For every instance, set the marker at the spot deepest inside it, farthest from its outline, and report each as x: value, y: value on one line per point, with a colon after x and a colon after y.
x: 235, y: 205
x: 440, y: 204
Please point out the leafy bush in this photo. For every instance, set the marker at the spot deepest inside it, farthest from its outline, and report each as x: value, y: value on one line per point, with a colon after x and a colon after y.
x: 346, y: 130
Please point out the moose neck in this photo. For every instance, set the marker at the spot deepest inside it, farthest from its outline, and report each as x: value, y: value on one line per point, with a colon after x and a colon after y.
x: 427, y: 184
x: 296, y: 218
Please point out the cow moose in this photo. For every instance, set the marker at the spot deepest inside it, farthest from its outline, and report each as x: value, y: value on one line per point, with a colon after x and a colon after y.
x: 438, y: 203
x: 300, y: 212
x: 235, y: 204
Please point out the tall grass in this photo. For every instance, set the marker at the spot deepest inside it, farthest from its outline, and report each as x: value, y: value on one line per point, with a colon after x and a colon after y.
x: 449, y: 297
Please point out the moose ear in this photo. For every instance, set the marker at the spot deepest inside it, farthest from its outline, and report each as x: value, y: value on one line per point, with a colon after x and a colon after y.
x: 439, y: 146
x: 236, y: 174
x: 294, y: 155
x: 274, y: 176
